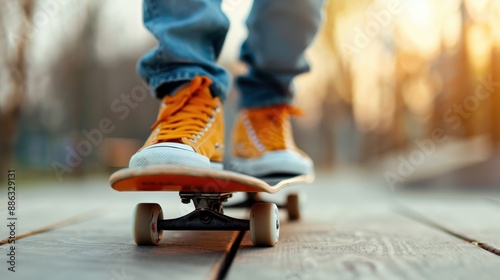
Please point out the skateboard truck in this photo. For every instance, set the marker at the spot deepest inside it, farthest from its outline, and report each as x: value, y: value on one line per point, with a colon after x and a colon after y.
x: 208, y: 214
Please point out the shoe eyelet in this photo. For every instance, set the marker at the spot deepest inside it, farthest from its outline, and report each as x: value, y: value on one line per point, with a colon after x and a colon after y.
x: 209, y: 125
x: 193, y: 140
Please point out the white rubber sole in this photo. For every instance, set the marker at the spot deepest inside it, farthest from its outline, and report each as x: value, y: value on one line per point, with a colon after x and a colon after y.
x: 277, y: 162
x: 172, y: 154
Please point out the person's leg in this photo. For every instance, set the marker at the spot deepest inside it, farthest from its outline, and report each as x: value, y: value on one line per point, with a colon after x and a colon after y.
x: 182, y: 71
x: 279, y: 33
x: 190, y: 36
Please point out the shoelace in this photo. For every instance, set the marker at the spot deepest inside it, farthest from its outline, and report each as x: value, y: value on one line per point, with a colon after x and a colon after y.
x: 275, y: 134
x: 187, y: 113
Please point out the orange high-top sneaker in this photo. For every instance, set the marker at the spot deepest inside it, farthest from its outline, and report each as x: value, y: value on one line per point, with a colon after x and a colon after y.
x: 263, y: 143
x: 189, y: 130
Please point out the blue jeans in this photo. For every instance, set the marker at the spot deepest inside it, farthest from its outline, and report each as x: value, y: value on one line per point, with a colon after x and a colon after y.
x: 191, y: 34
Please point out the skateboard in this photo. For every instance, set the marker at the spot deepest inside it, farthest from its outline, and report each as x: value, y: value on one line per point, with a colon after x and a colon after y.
x: 208, y: 189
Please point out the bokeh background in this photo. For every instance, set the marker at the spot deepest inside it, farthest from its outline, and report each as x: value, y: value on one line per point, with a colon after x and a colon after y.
x: 407, y: 90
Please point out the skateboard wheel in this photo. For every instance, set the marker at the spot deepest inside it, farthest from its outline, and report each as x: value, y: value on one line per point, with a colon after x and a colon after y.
x: 293, y: 206
x: 264, y: 224
x: 145, y: 226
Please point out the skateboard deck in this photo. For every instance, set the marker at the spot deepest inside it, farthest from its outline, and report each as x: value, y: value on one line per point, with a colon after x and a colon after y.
x: 183, y: 179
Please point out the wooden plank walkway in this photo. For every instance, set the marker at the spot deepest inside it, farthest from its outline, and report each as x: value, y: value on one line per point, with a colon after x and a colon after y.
x: 351, y: 229
x: 352, y: 233
x: 93, y: 237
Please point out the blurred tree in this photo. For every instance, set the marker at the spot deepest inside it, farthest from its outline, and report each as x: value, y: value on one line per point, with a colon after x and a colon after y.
x: 16, y: 67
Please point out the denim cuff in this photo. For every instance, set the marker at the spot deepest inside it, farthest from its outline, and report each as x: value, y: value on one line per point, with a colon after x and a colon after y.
x: 218, y: 88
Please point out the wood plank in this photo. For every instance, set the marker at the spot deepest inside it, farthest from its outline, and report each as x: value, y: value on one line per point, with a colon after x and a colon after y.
x: 364, y: 244
x: 42, y: 207
x: 474, y: 218
x: 102, y: 248
x: 46, y: 203
x: 353, y: 233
